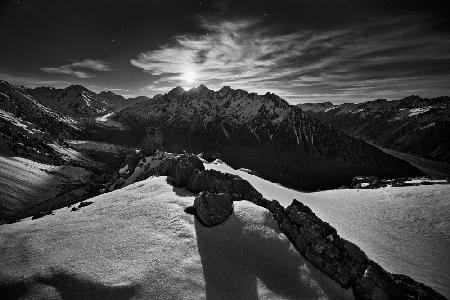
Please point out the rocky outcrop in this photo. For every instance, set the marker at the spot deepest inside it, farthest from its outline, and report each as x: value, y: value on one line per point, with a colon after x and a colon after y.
x: 153, y: 140
x: 320, y: 243
x: 316, y: 240
x: 217, y: 182
x: 342, y: 260
x: 209, y: 156
x: 373, y: 182
x: 367, y: 182
x: 185, y: 166
x: 213, y: 209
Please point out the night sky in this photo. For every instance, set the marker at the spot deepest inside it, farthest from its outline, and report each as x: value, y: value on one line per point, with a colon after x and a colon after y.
x: 304, y: 51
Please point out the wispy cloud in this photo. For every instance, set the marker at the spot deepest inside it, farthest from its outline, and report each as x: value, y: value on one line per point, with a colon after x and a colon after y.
x: 377, y: 58
x: 81, y: 69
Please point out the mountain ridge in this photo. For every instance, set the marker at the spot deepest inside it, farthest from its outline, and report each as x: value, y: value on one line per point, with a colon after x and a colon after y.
x: 262, y: 132
x: 414, y: 125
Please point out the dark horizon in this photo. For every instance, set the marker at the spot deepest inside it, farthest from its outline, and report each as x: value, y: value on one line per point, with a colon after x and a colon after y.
x: 337, y: 51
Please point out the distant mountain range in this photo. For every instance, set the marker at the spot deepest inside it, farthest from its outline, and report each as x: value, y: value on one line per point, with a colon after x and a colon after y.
x: 77, y: 101
x: 414, y: 125
x: 294, y: 145
x: 263, y: 133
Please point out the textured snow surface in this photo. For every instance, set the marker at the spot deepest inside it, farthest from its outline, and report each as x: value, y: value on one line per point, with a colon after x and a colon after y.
x: 404, y: 229
x: 26, y: 183
x: 138, y: 242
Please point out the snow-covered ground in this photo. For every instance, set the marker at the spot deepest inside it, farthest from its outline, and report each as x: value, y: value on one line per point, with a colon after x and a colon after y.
x: 26, y: 183
x: 404, y: 229
x: 106, y: 121
x: 138, y: 242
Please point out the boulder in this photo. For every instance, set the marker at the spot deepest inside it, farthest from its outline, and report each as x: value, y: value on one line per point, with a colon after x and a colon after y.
x: 213, y: 209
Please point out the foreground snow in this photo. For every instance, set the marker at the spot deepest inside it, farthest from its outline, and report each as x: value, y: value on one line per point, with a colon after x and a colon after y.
x: 139, y: 242
x: 26, y: 183
x: 405, y: 229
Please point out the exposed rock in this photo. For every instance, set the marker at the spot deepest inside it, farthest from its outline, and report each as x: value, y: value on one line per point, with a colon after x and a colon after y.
x: 321, y: 244
x: 217, y: 182
x: 184, y: 168
x: 342, y: 260
x: 139, y: 167
x: 376, y: 283
x: 365, y: 182
x: 213, y: 209
x: 84, y: 203
x: 153, y: 140
x: 210, y: 157
x: 41, y: 214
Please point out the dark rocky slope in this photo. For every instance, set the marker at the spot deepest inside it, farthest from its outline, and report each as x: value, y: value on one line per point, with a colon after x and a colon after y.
x: 17, y: 101
x: 263, y: 133
x: 414, y: 125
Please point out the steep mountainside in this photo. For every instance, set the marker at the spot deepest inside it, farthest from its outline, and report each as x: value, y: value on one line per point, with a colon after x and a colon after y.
x: 415, y: 125
x: 263, y: 133
x: 80, y: 102
x: 17, y: 101
x: 39, y: 171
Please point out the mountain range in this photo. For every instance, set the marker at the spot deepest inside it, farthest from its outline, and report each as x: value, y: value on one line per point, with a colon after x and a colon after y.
x: 415, y: 125
x: 263, y: 133
x: 80, y: 102
x: 61, y: 146
x: 310, y: 146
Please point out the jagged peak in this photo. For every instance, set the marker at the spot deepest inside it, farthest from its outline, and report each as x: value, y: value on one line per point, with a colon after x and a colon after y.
x: 177, y: 91
x: 76, y: 87
x: 199, y: 89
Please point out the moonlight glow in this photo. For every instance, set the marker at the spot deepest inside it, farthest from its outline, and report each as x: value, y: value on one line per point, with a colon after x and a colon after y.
x: 189, y: 77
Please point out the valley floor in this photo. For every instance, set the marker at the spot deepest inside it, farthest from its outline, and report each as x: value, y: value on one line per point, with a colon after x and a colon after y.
x: 429, y: 167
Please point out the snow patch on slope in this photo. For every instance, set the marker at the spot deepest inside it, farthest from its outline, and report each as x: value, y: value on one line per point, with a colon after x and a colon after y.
x: 419, y: 110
